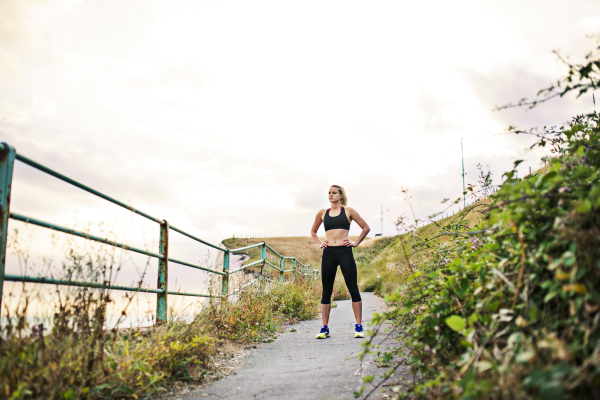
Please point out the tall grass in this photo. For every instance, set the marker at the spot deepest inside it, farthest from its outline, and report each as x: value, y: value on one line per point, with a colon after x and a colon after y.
x: 78, y: 357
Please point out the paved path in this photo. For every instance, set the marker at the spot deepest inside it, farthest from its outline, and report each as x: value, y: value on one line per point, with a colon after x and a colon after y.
x: 297, y: 366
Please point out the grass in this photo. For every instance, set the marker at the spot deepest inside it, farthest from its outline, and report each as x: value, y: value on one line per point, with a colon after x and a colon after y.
x: 303, y: 248
x: 379, y: 263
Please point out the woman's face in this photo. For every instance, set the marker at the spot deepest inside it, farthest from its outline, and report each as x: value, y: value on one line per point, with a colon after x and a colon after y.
x: 334, y: 194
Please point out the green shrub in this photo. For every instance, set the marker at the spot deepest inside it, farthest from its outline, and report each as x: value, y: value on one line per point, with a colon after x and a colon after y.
x: 373, y: 284
x: 511, y: 310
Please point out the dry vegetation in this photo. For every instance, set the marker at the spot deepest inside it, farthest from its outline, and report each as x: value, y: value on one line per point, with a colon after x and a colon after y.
x: 75, y: 357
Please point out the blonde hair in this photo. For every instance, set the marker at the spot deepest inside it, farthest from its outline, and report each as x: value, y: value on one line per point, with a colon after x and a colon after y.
x: 344, y: 201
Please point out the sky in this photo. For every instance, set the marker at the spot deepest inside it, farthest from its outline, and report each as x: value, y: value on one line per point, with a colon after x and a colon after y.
x: 234, y: 117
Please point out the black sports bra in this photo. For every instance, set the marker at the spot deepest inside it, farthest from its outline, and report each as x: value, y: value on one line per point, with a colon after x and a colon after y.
x: 337, y: 222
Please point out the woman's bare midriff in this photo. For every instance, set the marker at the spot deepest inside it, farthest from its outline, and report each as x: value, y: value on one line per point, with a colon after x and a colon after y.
x: 336, y: 237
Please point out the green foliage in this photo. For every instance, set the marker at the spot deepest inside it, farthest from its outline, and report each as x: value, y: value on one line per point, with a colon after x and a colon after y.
x: 510, y: 309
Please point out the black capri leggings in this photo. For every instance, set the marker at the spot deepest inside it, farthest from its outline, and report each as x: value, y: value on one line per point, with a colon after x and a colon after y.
x: 332, y: 257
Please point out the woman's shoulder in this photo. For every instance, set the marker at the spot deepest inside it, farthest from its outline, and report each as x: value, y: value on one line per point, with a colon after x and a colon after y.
x: 349, y: 210
x: 321, y: 212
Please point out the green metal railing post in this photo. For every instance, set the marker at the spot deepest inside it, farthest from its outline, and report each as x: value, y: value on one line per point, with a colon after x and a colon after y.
x: 163, y: 273
x: 7, y: 161
x: 225, y: 278
x: 263, y: 256
x: 282, y: 265
x: 294, y: 268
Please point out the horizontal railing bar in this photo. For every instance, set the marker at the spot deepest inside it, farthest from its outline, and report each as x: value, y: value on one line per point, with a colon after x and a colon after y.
x: 73, y: 232
x: 82, y: 186
x: 192, y: 294
x: 273, y: 265
x: 247, y: 247
x: 245, y: 266
x: 195, y: 266
x: 238, y: 289
x: 274, y: 251
x: 66, y: 282
x: 288, y: 257
x: 195, y: 238
x: 287, y: 270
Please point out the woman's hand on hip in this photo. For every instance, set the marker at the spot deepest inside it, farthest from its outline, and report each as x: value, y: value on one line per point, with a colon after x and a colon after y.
x: 348, y: 243
x: 324, y: 244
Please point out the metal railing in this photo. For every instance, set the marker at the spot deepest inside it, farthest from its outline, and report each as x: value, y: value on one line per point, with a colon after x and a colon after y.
x: 8, y: 155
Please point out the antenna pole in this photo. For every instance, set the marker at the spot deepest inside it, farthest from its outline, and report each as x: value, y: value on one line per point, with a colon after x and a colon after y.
x: 382, y: 220
x: 463, y: 172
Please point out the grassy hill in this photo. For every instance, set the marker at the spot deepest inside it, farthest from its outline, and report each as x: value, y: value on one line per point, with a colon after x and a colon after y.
x: 303, y: 248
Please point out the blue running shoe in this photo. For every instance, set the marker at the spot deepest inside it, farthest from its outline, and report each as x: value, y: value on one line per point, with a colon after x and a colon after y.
x: 359, y: 331
x: 324, y: 334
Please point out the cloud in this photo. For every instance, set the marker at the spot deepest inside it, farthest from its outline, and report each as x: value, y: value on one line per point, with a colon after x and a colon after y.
x: 435, y: 119
x: 234, y: 117
x: 188, y: 75
x: 11, y: 115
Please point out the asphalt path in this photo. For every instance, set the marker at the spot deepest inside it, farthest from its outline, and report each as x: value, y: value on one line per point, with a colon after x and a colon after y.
x: 298, y: 366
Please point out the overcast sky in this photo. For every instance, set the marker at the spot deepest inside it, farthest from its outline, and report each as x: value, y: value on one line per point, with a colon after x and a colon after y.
x: 234, y: 117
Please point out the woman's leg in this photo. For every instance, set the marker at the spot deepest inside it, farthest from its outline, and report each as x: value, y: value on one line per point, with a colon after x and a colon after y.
x: 325, y: 311
x: 348, y: 267
x: 328, y: 270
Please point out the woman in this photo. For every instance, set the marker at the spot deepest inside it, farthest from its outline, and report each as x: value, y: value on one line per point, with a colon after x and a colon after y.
x: 337, y: 250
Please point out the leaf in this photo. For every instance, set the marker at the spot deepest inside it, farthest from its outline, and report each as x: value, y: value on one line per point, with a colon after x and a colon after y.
x: 68, y: 394
x: 359, y: 392
x: 456, y: 323
x: 483, y: 366
x: 576, y: 287
x: 368, y: 378
x: 525, y: 356
x: 562, y: 275
x: 549, y: 296
x: 584, y: 207
x: 551, y: 391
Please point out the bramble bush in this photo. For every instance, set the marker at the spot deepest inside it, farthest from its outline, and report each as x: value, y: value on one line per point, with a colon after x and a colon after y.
x: 509, y: 309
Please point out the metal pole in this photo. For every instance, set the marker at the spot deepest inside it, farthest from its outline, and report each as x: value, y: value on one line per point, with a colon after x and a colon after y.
x: 263, y: 256
x: 225, y: 278
x: 282, y: 265
x: 7, y: 161
x: 293, y: 269
x: 463, y: 172
x: 163, y: 273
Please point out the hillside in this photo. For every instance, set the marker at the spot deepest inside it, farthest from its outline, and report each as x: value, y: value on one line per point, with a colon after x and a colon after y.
x: 302, y: 247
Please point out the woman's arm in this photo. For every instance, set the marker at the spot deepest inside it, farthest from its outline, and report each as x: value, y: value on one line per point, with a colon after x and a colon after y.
x: 315, y: 228
x: 361, y: 222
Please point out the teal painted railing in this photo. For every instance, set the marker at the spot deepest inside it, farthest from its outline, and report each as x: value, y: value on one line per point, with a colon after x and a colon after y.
x: 8, y: 156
